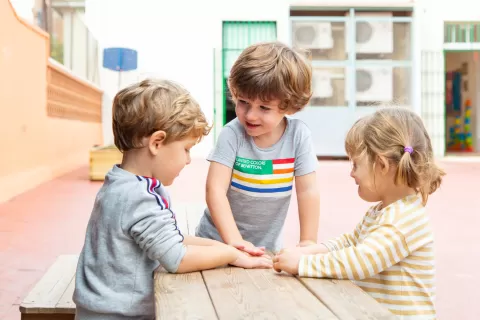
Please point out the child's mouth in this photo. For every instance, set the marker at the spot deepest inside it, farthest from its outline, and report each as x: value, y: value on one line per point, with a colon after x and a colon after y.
x: 252, y: 126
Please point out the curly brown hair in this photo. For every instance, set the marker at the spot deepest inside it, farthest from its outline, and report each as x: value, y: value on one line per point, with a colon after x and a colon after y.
x: 152, y: 105
x: 270, y: 71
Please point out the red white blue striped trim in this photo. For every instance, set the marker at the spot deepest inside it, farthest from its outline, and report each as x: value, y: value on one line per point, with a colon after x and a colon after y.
x: 152, y: 186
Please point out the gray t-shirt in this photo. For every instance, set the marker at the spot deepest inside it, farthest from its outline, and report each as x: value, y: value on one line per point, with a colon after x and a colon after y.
x: 262, y: 181
x: 131, y: 232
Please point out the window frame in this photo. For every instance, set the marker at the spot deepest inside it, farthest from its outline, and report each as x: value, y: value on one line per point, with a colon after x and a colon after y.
x: 351, y: 63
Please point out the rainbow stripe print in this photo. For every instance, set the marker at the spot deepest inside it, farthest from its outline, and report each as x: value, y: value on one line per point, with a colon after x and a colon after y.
x: 263, y: 178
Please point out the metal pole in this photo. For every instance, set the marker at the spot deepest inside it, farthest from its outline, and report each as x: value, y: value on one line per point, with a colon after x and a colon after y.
x: 44, y: 15
x: 119, y: 85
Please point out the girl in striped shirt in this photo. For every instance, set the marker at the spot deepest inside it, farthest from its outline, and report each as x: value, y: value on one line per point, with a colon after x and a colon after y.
x: 390, y: 253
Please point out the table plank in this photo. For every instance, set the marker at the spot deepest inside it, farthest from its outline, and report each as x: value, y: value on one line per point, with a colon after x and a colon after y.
x: 237, y: 293
x: 182, y: 296
x: 346, y: 300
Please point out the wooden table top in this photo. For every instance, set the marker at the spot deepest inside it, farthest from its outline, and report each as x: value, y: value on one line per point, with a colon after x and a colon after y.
x: 236, y: 293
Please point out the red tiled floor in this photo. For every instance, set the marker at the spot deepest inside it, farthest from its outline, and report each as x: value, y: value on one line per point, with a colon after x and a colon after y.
x: 50, y: 220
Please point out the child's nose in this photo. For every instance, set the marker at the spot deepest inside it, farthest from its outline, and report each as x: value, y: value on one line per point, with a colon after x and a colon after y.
x: 251, y: 115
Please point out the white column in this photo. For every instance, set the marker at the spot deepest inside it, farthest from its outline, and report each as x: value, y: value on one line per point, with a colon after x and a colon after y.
x: 79, y: 47
x: 67, y: 39
x: 432, y: 73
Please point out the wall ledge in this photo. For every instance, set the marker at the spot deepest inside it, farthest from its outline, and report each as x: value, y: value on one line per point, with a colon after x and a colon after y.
x: 27, y: 24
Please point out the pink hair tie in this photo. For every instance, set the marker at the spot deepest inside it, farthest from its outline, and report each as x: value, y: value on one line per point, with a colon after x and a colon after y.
x: 408, y: 149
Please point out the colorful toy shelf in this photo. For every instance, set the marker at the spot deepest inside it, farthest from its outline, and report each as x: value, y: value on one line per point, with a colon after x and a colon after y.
x: 461, y: 132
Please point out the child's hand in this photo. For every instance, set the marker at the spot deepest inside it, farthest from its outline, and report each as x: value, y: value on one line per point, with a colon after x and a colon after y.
x: 246, y: 261
x: 312, y: 249
x: 249, y: 248
x: 287, y: 260
x: 306, y: 243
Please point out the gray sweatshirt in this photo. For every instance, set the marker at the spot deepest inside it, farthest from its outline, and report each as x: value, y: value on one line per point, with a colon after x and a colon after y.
x: 131, y: 232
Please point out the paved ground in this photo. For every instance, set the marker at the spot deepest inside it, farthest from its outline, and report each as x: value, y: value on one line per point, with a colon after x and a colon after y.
x: 50, y: 220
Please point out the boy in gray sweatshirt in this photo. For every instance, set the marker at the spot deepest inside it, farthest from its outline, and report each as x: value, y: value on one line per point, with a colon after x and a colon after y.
x: 132, y: 229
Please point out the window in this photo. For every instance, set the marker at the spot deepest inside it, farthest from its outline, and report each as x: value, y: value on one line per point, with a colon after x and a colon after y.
x: 359, y: 58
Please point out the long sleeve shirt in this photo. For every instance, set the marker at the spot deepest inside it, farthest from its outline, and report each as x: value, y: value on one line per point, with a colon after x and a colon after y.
x: 389, y: 255
x: 131, y: 232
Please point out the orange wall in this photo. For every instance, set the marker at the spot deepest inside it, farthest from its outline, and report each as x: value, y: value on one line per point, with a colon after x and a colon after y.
x: 34, y: 148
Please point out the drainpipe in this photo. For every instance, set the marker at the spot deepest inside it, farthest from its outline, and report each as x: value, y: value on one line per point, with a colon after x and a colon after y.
x: 45, y: 15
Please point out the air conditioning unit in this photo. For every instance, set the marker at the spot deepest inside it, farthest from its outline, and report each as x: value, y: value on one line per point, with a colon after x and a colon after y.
x: 312, y: 35
x: 373, y: 84
x: 373, y: 36
x: 321, y: 84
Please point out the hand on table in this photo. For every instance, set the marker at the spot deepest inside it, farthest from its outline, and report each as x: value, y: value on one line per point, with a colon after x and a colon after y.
x: 288, y: 260
x: 247, y: 261
x: 249, y: 248
x: 306, y: 243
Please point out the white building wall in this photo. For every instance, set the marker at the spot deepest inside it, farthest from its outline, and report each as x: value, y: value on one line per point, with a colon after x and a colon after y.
x: 175, y: 41
x: 431, y: 16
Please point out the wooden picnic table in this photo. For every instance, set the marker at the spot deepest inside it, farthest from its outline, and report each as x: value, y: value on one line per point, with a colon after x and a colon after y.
x: 222, y: 293
x: 235, y: 293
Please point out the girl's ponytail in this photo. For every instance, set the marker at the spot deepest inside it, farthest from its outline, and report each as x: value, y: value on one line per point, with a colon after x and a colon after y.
x: 406, y: 171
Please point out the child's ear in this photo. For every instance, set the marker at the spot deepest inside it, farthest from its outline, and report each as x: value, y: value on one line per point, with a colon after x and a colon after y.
x: 156, y: 140
x: 384, y: 165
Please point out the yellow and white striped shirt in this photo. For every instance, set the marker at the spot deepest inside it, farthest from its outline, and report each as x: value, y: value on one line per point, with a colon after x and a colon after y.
x: 389, y: 255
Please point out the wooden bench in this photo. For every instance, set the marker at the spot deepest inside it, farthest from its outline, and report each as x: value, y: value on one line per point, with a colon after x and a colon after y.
x: 51, y: 298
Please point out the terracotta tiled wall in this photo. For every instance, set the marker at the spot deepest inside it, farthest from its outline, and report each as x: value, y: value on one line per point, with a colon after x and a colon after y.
x: 49, y: 120
x: 71, y: 98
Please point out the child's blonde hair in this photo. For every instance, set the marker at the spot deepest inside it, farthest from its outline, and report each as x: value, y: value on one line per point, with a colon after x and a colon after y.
x: 269, y: 71
x: 390, y: 133
x: 152, y: 105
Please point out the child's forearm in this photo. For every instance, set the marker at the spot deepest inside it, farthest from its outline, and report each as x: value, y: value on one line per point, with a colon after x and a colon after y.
x: 206, y: 257
x: 316, y: 249
x: 197, y: 241
x: 361, y: 261
x: 222, y: 217
x: 308, y: 211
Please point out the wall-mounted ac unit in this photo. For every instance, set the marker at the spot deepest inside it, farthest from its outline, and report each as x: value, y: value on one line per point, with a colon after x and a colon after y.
x: 373, y: 84
x: 373, y: 36
x: 312, y: 35
x: 321, y: 84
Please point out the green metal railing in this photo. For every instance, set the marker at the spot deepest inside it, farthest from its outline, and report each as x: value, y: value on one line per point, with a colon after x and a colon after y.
x: 462, y: 32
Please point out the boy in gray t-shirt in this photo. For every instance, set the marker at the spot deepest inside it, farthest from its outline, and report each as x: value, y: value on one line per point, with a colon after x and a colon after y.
x: 260, y: 154
x: 132, y: 229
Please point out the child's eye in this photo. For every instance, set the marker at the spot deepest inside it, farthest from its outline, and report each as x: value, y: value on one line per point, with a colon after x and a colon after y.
x: 242, y: 102
x: 264, y: 108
